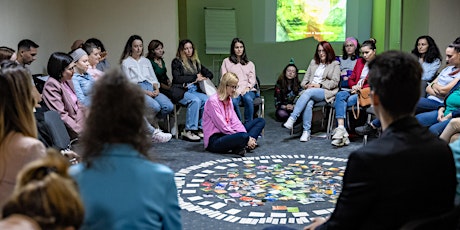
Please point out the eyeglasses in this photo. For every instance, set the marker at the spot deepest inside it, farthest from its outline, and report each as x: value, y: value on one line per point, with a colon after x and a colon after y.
x: 233, y: 86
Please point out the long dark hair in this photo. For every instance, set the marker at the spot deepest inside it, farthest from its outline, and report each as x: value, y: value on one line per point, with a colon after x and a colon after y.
x: 128, y: 50
x: 356, y: 54
x: 233, y: 58
x: 116, y: 116
x: 432, y: 53
x: 284, y: 82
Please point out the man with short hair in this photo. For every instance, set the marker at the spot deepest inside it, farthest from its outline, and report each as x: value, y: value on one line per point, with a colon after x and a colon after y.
x: 405, y: 175
x: 27, y: 52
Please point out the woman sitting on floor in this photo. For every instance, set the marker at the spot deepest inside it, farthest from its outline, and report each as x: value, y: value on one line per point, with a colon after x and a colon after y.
x: 287, y: 89
x: 222, y: 129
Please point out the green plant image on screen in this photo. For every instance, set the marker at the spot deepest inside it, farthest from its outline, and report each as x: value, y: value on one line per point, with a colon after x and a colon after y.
x: 324, y: 20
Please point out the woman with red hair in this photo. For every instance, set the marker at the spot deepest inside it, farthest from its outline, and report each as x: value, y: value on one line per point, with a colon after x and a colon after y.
x: 321, y: 83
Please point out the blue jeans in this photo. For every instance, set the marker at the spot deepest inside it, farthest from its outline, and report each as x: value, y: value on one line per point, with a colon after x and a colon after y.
x: 160, y: 105
x: 426, y: 105
x: 305, y: 105
x: 222, y: 143
x: 343, y: 100
x: 430, y: 119
x: 195, y: 104
x: 248, y: 102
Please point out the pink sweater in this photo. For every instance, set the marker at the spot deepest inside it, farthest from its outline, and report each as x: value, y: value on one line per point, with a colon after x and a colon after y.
x: 219, y: 118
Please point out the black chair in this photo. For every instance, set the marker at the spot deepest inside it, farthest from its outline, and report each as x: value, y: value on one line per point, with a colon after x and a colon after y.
x: 59, y: 134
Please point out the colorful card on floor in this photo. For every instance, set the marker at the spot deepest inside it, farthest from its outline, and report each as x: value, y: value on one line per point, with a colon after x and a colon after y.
x: 293, y: 209
x: 279, y: 208
x: 197, y: 180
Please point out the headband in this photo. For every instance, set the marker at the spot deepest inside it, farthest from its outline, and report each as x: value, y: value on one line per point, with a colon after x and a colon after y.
x: 353, y: 40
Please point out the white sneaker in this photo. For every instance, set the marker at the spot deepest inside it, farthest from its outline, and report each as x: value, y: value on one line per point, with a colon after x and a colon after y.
x: 160, y: 137
x: 289, y: 124
x: 189, y: 135
x: 339, y: 133
x: 305, y: 136
x: 341, y: 142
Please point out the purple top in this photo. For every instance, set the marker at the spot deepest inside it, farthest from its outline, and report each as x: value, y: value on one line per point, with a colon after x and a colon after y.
x: 219, y: 117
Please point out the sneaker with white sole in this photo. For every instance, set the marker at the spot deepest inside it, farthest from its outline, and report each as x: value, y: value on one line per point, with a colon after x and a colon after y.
x: 160, y: 137
x: 339, y: 133
x: 190, y: 136
x: 305, y: 136
x: 289, y: 124
x: 340, y: 142
x: 199, y: 133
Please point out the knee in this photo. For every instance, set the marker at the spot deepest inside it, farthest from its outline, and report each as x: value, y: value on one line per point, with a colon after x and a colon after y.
x: 455, y: 122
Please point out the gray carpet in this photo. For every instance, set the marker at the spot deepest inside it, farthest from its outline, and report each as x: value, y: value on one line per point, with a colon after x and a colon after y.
x: 209, y: 210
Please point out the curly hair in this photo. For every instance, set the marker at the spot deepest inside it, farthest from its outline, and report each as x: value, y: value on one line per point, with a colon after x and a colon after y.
x: 116, y: 115
x: 432, y: 53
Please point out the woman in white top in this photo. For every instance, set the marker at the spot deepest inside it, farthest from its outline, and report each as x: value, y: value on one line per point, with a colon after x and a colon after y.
x: 140, y: 71
x: 239, y: 64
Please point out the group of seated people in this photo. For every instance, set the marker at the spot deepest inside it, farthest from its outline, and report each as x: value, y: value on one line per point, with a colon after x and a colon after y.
x: 337, y: 81
x: 112, y: 188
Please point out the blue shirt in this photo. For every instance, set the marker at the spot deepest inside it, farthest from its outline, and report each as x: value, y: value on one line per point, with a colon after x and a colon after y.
x: 82, y: 84
x: 429, y: 69
x: 124, y: 190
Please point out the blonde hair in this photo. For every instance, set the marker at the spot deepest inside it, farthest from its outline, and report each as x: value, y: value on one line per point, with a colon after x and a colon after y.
x: 46, y: 193
x: 229, y: 78
x: 16, y: 102
x: 185, y: 60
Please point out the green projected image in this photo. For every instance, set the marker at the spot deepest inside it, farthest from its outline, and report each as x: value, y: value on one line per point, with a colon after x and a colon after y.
x: 324, y: 20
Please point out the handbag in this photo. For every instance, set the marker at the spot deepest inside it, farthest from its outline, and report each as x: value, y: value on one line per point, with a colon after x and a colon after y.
x: 208, y: 87
x: 364, y: 99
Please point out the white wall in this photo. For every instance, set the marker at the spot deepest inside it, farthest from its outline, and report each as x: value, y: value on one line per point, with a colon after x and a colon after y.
x: 443, y: 22
x: 43, y: 22
x: 55, y: 24
x: 114, y: 21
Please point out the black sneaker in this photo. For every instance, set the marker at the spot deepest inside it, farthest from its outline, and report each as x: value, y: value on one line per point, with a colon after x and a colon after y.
x: 366, y: 129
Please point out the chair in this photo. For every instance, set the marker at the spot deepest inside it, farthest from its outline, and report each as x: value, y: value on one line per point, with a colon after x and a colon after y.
x: 58, y: 131
x: 370, y: 113
x: 259, y: 101
x: 327, y: 110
